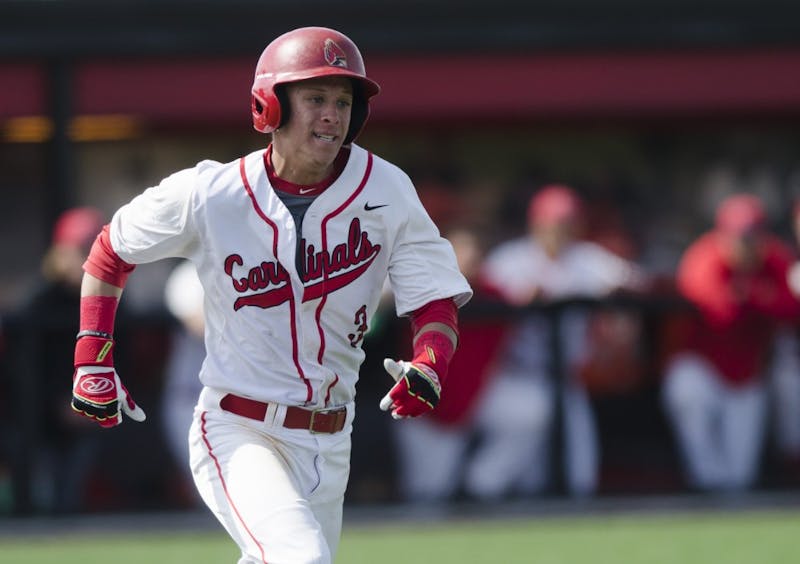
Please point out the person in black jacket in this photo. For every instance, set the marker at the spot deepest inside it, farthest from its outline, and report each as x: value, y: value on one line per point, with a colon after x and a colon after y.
x: 53, y: 449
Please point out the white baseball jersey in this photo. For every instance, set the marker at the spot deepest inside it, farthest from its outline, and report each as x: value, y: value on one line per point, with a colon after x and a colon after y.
x: 272, y: 333
x: 582, y: 268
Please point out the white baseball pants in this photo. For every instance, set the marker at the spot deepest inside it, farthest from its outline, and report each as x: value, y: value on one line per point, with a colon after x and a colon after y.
x: 278, y: 492
x: 719, y: 428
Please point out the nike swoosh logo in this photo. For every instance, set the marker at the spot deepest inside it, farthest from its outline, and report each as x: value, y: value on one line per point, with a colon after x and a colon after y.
x: 368, y: 207
x: 306, y: 190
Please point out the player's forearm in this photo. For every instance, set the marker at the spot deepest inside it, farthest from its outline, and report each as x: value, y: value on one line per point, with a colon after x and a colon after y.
x: 93, y: 286
x: 97, y: 391
x: 435, y: 327
x: 101, y: 287
x: 99, y: 300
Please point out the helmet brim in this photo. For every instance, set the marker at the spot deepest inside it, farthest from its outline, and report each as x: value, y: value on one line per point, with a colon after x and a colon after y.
x: 369, y: 87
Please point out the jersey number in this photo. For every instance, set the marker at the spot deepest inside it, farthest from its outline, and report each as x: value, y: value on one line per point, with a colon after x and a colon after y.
x: 360, y: 320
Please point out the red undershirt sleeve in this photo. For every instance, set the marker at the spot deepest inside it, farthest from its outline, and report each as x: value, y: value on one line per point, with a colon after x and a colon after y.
x: 438, y: 311
x: 104, y: 263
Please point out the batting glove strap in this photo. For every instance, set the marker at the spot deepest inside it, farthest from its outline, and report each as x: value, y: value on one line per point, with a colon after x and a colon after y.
x: 94, y: 351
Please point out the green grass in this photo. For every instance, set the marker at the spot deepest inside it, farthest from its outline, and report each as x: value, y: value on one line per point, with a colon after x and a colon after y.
x: 739, y: 538
x: 765, y: 538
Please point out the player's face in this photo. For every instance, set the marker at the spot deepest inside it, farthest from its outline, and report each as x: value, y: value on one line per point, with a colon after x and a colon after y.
x: 745, y: 250
x: 555, y: 236
x: 318, y: 123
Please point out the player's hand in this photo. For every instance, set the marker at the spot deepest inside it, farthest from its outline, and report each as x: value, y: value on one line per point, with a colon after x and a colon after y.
x: 97, y: 392
x: 416, y: 390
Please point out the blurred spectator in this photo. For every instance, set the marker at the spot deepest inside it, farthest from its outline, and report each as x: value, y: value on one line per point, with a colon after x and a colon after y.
x: 41, y: 344
x: 714, y: 390
x: 183, y: 296
x: 432, y: 449
x: 551, y: 263
x: 516, y: 416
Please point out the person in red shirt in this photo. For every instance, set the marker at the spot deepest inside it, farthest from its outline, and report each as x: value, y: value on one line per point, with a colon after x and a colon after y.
x: 714, y: 391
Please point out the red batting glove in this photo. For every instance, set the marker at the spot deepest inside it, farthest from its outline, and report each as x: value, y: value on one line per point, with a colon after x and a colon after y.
x: 97, y: 392
x: 416, y: 391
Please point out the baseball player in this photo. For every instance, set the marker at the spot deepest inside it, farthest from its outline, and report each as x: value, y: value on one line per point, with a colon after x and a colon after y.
x: 551, y: 262
x: 292, y: 245
x: 714, y: 390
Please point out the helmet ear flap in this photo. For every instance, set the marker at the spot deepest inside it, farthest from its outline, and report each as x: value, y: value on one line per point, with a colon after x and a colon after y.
x: 266, y: 112
x: 358, y: 117
x: 283, y: 104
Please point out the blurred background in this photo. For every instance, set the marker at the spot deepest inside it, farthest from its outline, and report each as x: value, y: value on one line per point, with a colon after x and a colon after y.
x: 653, y: 112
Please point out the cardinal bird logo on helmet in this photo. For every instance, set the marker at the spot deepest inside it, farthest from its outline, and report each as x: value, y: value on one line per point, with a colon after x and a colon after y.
x: 334, y: 54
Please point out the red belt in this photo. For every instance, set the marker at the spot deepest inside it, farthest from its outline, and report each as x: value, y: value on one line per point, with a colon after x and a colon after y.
x: 319, y: 421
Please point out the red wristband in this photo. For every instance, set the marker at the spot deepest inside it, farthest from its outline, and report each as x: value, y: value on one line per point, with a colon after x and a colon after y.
x: 98, y: 313
x: 435, y: 350
x: 95, y: 346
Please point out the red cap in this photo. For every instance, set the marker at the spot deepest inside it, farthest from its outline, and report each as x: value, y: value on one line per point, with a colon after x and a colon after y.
x: 78, y: 227
x: 553, y: 204
x: 740, y: 214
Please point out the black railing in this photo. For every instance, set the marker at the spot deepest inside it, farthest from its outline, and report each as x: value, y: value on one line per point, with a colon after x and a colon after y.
x: 134, y: 456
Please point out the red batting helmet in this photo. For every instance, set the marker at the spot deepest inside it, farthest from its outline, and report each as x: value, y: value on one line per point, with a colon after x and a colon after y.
x: 304, y: 53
